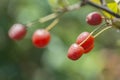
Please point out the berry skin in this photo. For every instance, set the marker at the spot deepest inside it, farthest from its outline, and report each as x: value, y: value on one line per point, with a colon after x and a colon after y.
x: 17, y: 32
x: 89, y: 49
x: 41, y: 38
x: 75, y: 52
x: 94, y: 18
x: 88, y: 43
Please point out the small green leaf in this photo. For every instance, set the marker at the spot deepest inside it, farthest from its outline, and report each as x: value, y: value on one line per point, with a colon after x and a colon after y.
x: 98, y: 1
x: 112, y: 6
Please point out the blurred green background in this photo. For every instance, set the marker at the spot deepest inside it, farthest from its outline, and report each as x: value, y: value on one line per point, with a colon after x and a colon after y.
x: 22, y: 61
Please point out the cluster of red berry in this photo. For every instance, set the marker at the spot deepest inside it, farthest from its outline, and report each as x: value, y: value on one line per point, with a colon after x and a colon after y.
x: 83, y: 45
x: 41, y: 37
x: 85, y: 41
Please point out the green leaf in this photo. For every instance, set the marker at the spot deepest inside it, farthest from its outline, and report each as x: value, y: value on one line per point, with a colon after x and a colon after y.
x: 98, y: 1
x: 112, y: 6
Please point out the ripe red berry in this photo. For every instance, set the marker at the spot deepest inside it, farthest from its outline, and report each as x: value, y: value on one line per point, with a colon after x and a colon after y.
x: 83, y: 36
x: 89, y: 49
x: 94, y: 18
x: 75, y: 52
x: 41, y: 38
x: 17, y: 32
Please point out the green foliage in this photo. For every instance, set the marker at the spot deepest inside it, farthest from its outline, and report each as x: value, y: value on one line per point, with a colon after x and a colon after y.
x: 113, y: 6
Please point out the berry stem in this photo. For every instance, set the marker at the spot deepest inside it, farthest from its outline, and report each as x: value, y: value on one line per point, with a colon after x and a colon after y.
x: 47, y: 18
x: 31, y: 23
x: 98, y: 28
x: 42, y: 20
x: 91, y: 34
x: 52, y: 24
x: 85, y: 39
x: 106, y: 28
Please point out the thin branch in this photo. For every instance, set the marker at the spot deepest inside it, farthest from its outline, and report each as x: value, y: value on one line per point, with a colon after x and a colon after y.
x: 84, y: 2
x: 103, y: 8
x: 75, y: 7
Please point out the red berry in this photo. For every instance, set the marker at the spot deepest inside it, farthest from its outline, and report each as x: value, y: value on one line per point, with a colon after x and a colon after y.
x: 89, y: 49
x: 83, y: 36
x: 41, y: 38
x: 17, y: 32
x: 94, y: 18
x: 75, y: 52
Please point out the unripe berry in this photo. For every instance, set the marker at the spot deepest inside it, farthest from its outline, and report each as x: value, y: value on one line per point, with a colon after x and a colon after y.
x: 17, y: 32
x: 41, y: 38
x: 88, y: 43
x: 94, y: 18
x: 75, y: 52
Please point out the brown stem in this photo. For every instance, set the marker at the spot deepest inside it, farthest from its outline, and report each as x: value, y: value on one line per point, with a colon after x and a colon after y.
x: 103, y: 8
